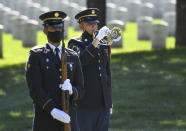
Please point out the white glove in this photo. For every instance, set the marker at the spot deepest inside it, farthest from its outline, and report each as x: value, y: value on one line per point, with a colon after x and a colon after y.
x: 117, y: 39
x: 60, y: 115
x: 111, y: 111
x: 66, y: 86
x: 102, y: 32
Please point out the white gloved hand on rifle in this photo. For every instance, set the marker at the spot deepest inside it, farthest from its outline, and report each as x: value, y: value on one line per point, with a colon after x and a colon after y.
x: 60, y: 115
x: 66, y: 86
x: 102, y: 32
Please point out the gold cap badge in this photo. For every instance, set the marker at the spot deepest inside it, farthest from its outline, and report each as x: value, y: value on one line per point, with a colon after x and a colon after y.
x: 93, y: 11
x: 56, y: 14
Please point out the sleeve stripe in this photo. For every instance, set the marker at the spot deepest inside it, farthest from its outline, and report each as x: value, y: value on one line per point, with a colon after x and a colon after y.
x: 77, y: 94
x: 46, y: 103
x: 90, y: 53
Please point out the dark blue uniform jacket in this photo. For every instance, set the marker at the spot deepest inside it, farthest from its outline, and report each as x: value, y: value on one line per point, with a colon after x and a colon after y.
x: 96, y: 70
x: 43, y: 75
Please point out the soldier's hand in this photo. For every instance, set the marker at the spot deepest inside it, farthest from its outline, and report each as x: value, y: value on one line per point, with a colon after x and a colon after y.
x: 66, y: 86
x: 60, y: 115
x: 102, y: 32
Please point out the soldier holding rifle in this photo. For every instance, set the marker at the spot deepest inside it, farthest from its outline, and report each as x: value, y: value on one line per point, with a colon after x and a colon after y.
x: 53, y: 83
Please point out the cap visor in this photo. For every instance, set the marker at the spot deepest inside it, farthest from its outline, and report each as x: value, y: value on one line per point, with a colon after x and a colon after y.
x: 56, y: 25
x: 93, y: 21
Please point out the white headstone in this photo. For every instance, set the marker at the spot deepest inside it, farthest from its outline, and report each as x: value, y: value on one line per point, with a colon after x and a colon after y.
x: 66, y: 22
x: 170, y: 6
x: 159, y: 34
x: 1, y: 41
x: 120, y: 2
x: 122, y: 14
x: 13, y: 22
x: 33, y: 11
x: 44, y: 3
x: 12, y: 4
x: 144, y: 28
x: 147, y: 9
x: 41, y: 11
x: 158, y: 8
x: 65, y: 6
x: 170, y: 18
x: 81, y: 2
x: 110, y: 12
x: 53, y: 4
x: 6, y: 3
x: 2, y: 11
x: 23, y: 20
x: 30, y: 33
x: 7, y: 20
x: 74, y: 8
x: 23, y: 7
x: 133, y: 9
x: 121, y: 25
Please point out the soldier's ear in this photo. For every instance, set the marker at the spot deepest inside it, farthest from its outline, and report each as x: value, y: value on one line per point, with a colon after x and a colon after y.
x: 45, y: 30
x: 81, y: 26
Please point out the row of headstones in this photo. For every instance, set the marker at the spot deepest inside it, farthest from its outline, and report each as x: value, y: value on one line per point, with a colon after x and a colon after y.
x: 21, y: 26
x: 20, y: 30
x: 130, y: 12
x: 133, y: 9
x: 157, y: 31
x: 32, y: 9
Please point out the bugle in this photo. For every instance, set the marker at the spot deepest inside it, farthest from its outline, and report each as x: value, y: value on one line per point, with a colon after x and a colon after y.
x: 111, y: 35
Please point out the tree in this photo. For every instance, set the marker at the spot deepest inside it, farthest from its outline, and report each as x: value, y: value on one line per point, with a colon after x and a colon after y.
x: 181, y: 23
x: 101, y: 5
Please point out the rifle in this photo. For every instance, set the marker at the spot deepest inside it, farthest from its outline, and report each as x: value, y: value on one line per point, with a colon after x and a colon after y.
x: 65, y: 94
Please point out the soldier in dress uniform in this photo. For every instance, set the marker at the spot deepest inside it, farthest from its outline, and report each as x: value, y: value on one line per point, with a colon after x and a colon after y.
x: 93, y: 109
x: 43, y: 75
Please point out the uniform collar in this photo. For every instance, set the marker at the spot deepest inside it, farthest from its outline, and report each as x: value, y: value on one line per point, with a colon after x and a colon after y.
x: 53, y: 47
x: 87, y: 37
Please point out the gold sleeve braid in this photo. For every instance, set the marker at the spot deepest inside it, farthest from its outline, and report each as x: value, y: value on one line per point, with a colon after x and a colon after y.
x: 90, y: 53
x: 77, y: 94
x: 49, y: 100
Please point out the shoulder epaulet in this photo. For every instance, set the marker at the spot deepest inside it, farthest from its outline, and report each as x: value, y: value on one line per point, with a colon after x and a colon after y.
x: 38, y: 47
x: 76, y: 39
x: 71, y: 51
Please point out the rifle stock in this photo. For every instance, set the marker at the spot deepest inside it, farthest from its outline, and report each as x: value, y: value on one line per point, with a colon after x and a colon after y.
x: 65, y: 94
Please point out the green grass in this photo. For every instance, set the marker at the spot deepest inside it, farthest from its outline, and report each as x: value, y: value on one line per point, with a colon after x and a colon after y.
x: 149, y: 90
x: 148, y: 86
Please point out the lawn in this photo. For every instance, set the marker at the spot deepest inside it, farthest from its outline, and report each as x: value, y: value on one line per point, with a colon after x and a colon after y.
x: 148, y: 85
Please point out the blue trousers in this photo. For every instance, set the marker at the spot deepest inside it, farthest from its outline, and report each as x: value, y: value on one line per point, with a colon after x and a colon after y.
x: 93, y: 119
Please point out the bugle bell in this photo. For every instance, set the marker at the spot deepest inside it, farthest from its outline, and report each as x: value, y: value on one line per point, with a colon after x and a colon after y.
x: 111, y: 35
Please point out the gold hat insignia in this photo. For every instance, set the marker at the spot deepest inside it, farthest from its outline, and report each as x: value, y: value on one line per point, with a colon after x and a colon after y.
x: 56, y: 14
x: 93, y: 11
